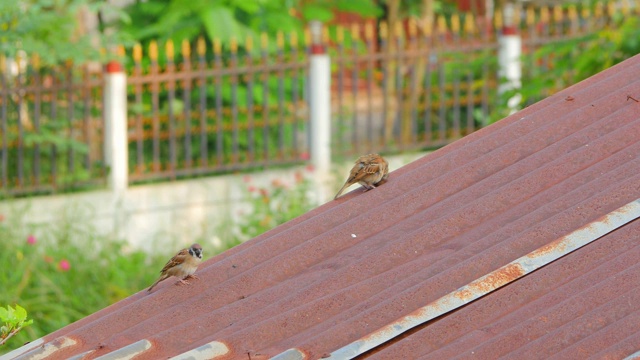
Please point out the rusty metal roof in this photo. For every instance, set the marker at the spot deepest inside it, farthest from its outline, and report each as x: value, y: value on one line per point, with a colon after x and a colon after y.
x: 517, y: 241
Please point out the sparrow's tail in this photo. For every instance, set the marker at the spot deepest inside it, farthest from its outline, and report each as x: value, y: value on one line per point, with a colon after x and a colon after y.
x: 346, y: 185
x: 157, y: 281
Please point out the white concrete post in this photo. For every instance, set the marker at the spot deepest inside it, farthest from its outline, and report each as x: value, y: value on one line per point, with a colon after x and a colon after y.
x: 115, y: 127
x: 319, y: 101
x: 509, y: 53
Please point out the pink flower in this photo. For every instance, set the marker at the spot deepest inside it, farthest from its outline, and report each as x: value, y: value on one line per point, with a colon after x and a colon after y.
x: 31, y: 240
x: 252, y: 189
x: 304, y: 156
x: 1, y: 218
x: 64, y: 265
x: 310, y: 168
x: 246, y: 179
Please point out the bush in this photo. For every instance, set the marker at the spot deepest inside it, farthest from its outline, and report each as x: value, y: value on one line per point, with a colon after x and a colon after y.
x: 275, y: 204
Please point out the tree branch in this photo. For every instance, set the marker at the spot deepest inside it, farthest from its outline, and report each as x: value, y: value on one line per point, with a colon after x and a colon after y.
x: 12, y: 333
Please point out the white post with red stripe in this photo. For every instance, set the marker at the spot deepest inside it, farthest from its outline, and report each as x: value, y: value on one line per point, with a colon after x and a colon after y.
x: 115, y: 127
x: 319, y: 101
x: 509, y: 53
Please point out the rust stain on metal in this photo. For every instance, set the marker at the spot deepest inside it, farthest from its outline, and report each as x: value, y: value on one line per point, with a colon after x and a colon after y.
x: 491, y: 282
x: 553, y: 247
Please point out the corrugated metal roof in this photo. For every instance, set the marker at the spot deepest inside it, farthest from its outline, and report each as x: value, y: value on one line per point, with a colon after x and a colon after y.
x: 340, y: 273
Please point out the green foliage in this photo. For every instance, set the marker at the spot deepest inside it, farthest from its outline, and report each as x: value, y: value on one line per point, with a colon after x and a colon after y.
x: 66, y: 273
x: 609, y: 47
x: 277, y: 204
x: 51, y: 134
x: 50, y: 29
x: 13, y: 320
x: 415, y: 8
x: 560, y: 64
x: 224, y: 19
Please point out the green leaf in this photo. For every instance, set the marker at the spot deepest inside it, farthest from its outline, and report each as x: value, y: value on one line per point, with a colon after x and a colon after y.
x: 317, y: 12
x: 11, y: 317
x: 278, y: 20
x: 220, y: 23
x: 48, y: 28
x: 251, y: 7
x: 20, y: 313
x: 366, y: 8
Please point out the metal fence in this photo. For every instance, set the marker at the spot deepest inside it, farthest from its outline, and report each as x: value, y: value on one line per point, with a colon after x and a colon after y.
x: 209, y: 110
x: 216, y: 112
x: 51, y: 127
x: 409, y: 90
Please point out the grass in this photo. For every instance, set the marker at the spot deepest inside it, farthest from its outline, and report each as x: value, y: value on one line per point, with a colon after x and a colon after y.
x: 67, y: 271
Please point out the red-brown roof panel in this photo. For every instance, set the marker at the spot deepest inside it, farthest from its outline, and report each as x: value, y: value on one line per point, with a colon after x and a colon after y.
x: 338, y: 274
x: 574, y: 307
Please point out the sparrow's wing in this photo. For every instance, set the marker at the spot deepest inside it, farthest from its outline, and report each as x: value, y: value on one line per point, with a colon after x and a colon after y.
x: 179, y: 258
x: 384, y: 168
x: 371, y: 164
x: 360, y: 169
x: 372, y: 167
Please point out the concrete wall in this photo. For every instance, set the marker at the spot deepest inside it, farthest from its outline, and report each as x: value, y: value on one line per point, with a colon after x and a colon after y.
x: 169, y: 213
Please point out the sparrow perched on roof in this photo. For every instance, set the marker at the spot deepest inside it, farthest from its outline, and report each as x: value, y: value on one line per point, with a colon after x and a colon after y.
x: 182, y: 265
x: 368, y: 170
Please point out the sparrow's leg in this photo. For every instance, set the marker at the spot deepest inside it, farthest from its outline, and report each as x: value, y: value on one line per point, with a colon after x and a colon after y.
x: 192, y: 276
x: 182, y: 281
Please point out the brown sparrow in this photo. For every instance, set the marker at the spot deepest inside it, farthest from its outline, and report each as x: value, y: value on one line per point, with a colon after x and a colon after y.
x: 369, y: 170
x: 182, y: 265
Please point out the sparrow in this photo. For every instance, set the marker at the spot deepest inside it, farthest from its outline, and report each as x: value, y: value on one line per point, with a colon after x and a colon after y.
x: 182, y: 265
x: 368, y: 170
